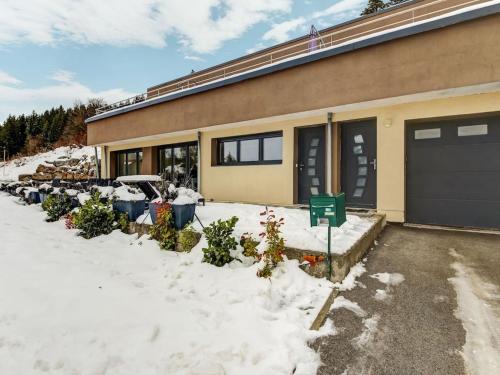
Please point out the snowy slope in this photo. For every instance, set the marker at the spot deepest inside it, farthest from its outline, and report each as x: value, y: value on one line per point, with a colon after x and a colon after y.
x: 118, y: 305
x: 27, y: 165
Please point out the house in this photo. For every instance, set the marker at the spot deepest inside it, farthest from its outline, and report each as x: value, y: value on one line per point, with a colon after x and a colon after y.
x: 400, y: 110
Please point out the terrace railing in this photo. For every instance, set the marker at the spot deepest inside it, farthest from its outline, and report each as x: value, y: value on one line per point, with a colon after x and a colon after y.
x: 395, y: 18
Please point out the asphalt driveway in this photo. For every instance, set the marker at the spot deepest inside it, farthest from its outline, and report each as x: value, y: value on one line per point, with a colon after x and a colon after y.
x: 407, y: 313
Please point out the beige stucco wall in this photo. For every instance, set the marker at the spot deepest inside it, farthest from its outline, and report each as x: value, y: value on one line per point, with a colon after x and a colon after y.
x: 391, y: 140
x: 274, y: 184
x: 253, y: 183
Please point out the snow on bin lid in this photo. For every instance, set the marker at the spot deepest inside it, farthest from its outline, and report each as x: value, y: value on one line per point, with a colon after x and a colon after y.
x: 182, y: 200
x: 139, y: 177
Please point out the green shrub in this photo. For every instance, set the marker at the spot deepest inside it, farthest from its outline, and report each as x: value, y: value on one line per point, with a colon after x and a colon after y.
x: 94, y: 217
x: 56, y: 206
x: 122, y: 221
x: 220, y: 242
x: 188, y: 238
x: 163, y: 231
x: 249, y: 245
x: 275, y: 243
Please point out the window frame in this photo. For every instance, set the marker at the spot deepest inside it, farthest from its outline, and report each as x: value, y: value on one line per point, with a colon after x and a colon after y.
x: 238, y: 139
x: 138, y: 156
x: 172, y: 146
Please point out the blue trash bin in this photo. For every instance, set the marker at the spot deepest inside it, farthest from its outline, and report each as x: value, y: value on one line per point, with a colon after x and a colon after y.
x: 183, y: 214
x: 34, y: 197
x: 133, y: 209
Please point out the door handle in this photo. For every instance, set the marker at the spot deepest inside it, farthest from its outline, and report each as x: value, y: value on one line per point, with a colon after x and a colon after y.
x: 300, y: 166
x: 374, y: 163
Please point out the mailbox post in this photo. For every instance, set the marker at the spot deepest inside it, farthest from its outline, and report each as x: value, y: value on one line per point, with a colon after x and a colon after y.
x: 327, y: 209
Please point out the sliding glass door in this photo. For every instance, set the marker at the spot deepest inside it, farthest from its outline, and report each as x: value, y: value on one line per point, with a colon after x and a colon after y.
x: 179, y: 164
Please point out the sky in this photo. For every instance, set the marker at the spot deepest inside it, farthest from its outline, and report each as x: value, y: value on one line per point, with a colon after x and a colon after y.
x: 53, y: 52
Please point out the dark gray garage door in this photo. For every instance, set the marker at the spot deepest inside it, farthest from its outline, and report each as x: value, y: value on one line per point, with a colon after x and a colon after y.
x: 453, y: 172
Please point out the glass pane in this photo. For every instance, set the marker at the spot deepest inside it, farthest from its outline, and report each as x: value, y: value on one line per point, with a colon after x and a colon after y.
x: 315, y: 181
x: 314, y: 191
x: 166, y: 163
x: 428, y: 133
x: 358, y: 193
x: 467, y: 131
x: 311, y: 162
x: 362, y: 160
x: 249, y: 150
x: 229, y: 153
x: 313, y: 151
x: 357, y: 150
x: 179, y: 174
x: 358, y: 138
x: 362, y: 171
x: 193, y: 166
x: 315, y: 142
x: 122, y: 164
x: 139, y: 165
x: 311, y: 171
x: 361, y: 182
x: 273, y: 148
x: 132, y: 163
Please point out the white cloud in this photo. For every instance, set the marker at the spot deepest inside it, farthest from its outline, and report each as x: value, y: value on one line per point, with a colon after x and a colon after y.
x: 63, y: 76
x: 64, y: 91
x: 344, y: 9
x: 7, y: 79
x: 200, y: 25
x: 259, y: 46
x: 280, y: 32
x: 194, y: 58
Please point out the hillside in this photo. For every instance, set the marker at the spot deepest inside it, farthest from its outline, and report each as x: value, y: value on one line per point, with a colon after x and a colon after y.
x: 69, y: 159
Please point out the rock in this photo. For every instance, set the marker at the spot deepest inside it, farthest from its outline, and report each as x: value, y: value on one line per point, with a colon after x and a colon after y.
x: 59, y: 163
x: 73, y: 162
x: 24, y: 177
x: 81, y: 177
x: 42, y: 176
x: 45, y: 169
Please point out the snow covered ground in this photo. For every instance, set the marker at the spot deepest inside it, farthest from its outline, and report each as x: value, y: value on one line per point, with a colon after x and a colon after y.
x: 478, y: 311
x: 296, y: 231
x: 119, y: 305
x: 27, y: 165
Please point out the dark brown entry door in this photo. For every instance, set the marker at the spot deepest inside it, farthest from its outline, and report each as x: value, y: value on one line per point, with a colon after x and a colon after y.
x: 311, y: 162
x: 359, y: 163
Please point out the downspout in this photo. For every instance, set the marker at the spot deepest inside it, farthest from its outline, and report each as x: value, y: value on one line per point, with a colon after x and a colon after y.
x: 97, y: 166
x: 329, y: 153
x: 105, y: 161
x: 199, y: 163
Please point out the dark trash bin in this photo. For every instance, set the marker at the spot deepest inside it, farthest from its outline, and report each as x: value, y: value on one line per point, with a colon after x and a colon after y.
x: 183, y: 214
x: 34, y: 197
x: 133, y: 209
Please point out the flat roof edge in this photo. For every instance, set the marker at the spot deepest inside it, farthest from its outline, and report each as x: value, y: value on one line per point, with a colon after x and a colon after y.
x: 334, y: 51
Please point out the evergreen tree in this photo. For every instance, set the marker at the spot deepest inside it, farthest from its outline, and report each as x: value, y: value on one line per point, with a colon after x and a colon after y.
x: 54, y: 127
x: 373, y: 6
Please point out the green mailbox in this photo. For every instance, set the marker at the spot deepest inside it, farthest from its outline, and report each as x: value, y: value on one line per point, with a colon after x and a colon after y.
x: 327, y: 207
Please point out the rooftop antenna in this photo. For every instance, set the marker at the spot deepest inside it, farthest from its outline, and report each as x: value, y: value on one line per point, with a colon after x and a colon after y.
x: 314, y: 38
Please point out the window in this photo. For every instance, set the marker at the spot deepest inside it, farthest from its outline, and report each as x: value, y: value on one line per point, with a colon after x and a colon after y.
x: 253, y: 149
x: 179, y: 164
x: 128, y: 162
x: 428, y: 133
x: 273, y: 148
x: 467, y: 131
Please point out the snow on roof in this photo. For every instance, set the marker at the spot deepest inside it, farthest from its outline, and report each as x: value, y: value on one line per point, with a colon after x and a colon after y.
x: 320, y: 53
